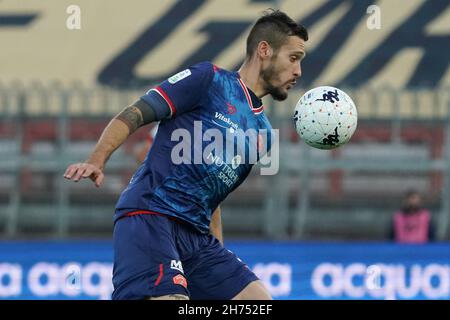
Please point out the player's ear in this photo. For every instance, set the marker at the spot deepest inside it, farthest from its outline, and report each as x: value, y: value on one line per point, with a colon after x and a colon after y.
x: 264, y: 49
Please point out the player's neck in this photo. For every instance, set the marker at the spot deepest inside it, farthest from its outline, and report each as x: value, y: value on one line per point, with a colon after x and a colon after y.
x: 249, y: 73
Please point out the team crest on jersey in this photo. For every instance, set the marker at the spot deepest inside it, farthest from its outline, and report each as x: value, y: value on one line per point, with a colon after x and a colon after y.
x: 179, y: 76
x: 231, y: 109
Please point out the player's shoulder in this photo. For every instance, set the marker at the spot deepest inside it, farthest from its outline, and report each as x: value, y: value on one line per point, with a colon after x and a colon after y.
x: 203, y: 72
x: 200, y: 72
x: 208, y: 66
x: 203, y: 66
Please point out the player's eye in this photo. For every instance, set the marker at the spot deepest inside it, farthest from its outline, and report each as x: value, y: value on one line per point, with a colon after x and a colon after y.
x: 293, y: 59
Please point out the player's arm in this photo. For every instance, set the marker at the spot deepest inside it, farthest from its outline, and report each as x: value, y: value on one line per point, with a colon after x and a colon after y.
x: 113, y: 136
x: 176, y: 95
x: 216, y: 225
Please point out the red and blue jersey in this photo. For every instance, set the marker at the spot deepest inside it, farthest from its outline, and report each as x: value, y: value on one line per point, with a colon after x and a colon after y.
x: 213, y: 132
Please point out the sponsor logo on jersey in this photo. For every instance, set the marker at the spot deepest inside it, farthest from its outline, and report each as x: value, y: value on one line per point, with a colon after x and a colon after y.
x: 180, y: 280
x: 228, y: 121
x: 179, y: 76
x: 236, y: 161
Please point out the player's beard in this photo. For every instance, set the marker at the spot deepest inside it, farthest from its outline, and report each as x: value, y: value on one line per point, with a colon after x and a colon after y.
x: 269, y: 75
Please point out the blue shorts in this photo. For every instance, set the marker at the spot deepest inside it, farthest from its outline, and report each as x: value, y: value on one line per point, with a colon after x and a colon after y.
x: 155, y: 256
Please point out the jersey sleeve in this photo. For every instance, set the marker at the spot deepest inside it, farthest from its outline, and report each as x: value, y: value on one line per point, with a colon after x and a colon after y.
x: 181, y: 92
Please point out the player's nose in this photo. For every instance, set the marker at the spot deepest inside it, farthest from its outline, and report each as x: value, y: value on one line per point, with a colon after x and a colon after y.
x: 297, y: 71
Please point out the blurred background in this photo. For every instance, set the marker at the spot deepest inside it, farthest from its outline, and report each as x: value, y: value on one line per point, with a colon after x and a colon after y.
x: 313, y: 230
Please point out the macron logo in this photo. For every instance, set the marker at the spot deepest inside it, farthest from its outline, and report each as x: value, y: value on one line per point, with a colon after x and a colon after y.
x: 175, y: 264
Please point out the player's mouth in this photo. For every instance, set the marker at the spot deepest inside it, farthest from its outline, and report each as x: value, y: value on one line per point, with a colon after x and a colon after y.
x: 290, y: 84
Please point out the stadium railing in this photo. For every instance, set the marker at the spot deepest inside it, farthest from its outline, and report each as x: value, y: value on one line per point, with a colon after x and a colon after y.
x: 402, y: 142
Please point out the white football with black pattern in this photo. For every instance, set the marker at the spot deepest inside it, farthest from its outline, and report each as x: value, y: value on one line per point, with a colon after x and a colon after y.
x: 325, y: 117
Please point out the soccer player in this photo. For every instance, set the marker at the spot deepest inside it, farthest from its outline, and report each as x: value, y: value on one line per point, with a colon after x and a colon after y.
x: 167, y: 227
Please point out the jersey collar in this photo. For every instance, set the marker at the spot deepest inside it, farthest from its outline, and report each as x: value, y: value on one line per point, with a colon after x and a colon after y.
x: 254, y: 102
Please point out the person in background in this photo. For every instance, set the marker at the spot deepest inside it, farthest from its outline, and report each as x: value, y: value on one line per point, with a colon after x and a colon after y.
x: 412, y: 223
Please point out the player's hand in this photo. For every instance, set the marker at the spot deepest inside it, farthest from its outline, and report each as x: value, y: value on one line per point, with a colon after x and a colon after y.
x: 78, y: 171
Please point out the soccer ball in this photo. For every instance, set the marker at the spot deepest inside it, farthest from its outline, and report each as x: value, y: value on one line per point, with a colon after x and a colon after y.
x: 325, y: 117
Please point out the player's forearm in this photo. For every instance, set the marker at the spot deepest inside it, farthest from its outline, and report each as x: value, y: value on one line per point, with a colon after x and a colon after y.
x: 112, y: 137
x: 115, y: 134
x: 216, y: 225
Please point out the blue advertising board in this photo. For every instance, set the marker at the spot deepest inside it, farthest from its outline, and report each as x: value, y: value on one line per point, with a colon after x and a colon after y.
x: 290, y: 270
